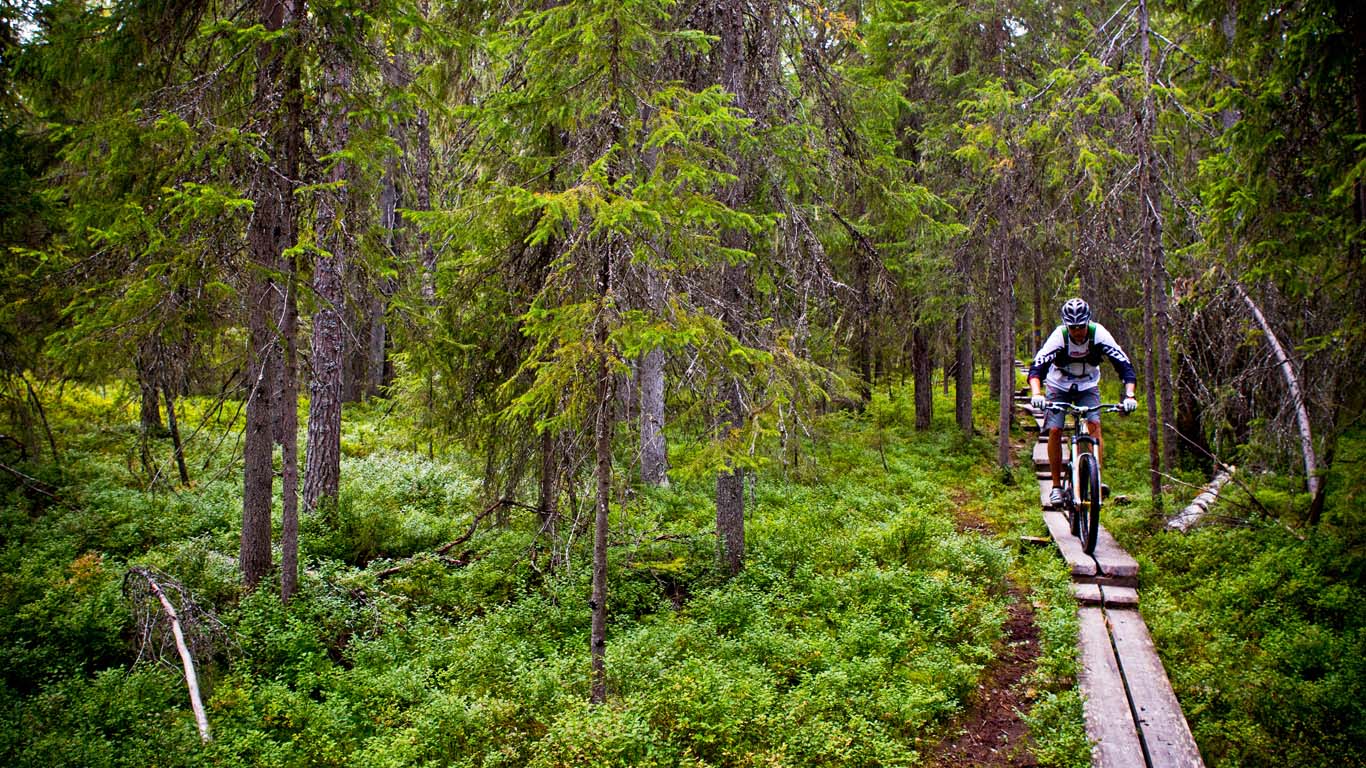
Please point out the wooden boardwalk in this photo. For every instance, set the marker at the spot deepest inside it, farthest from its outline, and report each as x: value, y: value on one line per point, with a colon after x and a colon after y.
x: 1132, y: 715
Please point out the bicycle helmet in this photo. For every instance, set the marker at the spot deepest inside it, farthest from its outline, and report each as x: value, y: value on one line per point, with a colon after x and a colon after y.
x: 1076, y: 312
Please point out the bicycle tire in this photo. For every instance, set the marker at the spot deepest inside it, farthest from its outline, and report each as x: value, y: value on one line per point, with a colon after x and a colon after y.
x: 1088, y: 515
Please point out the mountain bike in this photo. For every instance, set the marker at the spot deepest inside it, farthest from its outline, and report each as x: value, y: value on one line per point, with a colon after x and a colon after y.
x: 1081, y: 488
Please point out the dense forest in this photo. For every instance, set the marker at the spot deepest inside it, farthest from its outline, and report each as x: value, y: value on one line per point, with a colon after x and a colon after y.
x: 630, y: 382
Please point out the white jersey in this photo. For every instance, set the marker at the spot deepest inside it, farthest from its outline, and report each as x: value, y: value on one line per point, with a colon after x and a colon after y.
x: 1064, y: 364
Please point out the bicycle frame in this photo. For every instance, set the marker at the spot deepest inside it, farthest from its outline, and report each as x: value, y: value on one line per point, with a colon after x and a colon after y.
x: 1082, y: 487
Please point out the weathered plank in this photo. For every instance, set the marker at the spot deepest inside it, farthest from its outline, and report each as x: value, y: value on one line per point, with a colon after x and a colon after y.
x: 1078, y: 562
x: 1041, y: 454
x: 1166, y: 736
x: 1112, y: 595
x: 1118, y: 597
x: 1109, y: 721
x: 1088, y: 594
x: 1113, y: 560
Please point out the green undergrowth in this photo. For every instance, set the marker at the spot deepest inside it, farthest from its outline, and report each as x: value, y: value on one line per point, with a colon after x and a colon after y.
x: 1260, y: 621
x: 856, y: 633
x: 1256, y: 614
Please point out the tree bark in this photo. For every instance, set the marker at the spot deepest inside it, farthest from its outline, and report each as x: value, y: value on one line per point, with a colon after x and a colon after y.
x: 289, y: 448
x: 149, y: 377
x: 1005, y: 348
x: 269, y: 232
x: 175, y: 437
x: 1151, y: 200
x: 548, y: 504
x: 730, y: 492
x: 923, y: 363
x: 654, y: 459
x: 322, y: 476
x: 963, y: 383
x: 604, y: 428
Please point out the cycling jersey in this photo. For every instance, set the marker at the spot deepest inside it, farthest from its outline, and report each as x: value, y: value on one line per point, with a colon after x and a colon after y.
x: 1065, y: 365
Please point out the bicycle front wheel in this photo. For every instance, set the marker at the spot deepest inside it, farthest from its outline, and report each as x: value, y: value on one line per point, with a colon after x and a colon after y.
x: 1088, y: 511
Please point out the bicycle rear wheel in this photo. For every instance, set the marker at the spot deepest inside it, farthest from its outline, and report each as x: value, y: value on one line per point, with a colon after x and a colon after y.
x: 1088, y: 512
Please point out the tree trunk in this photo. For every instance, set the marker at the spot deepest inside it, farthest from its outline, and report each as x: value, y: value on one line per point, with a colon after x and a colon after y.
x: 175, y: 437
x: 148, y: 385
x: 604, y: 427
x: 923, y: 362
x: 270, y: 231
x: 1005, y: 353
x: 1150, y: 201
x: 730, y: 492
x: 1038, y: 306
x: 963, y: 383
x: 654, y: 458
x: 272, y: 208
x: 548, y: 505
x: 322, y: 476
x: 1152, y: 216
x: 1149, y: 373
x: 289, y: 448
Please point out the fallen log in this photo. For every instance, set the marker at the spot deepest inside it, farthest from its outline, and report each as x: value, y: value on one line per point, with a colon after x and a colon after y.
x: 1196, y: 510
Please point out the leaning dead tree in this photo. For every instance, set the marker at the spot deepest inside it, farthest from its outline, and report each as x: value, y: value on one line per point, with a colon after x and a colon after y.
x: 1292, y: 384
x: 192, y: 630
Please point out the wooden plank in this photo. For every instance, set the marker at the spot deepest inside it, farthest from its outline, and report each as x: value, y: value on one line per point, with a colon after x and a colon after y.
x: 1077, y: 561
x: 1109, y: 721
x: 1117, y: 596
x: 1112, y: 560
x: 1088, y: 594
x: 1041, y: 454
x: 1166, y: 736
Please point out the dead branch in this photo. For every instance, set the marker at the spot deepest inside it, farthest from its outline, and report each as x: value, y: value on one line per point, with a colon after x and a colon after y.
x: 183, y: 648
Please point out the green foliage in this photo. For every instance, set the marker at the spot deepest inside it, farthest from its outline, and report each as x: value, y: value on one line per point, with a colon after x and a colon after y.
x: 1264, y: 639
x: 860, y: 626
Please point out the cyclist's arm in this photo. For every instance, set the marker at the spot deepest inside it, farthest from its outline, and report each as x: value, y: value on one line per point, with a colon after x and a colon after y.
x: 1111, y: 349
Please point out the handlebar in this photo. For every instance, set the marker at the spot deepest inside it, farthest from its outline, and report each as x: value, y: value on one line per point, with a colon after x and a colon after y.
x: 1082, y: 410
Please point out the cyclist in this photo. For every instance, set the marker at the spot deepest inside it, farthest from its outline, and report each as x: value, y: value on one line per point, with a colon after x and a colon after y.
x: 1069, y: 363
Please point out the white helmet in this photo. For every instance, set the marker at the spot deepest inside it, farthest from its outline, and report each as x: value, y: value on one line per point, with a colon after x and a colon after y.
x: 1076, y: 312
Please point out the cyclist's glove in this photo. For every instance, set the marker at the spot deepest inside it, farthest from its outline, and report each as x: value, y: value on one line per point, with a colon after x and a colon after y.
x: 1037, y: 401
x: 1130, y: 405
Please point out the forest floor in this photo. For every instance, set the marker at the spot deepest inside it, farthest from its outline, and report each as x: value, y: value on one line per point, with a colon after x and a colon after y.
x: 993, y: 733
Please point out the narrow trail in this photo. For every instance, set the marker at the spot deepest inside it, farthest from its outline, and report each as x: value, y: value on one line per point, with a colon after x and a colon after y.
x: 992, y: 733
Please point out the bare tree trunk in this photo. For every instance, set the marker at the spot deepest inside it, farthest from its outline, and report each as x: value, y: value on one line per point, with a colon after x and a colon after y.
x: 1005, y: 350
x: 1149, y: 375
x: 963, y: 384
x: 924, y: 372
x: 604, y: 428
x: 289, y: 448
x: 1151, y: 201
x: 1038, y: 305
x: 654, y: 459
x: 548, y: 504
x: 148, y: 384
x: 269, y: 232
x: 730, y: 492
x: 175, y: 437
x: 1292, y: 383
x: 322, y: 475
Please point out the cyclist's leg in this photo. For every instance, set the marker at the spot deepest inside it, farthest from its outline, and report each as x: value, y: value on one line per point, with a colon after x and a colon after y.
x: 1054, y: 422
